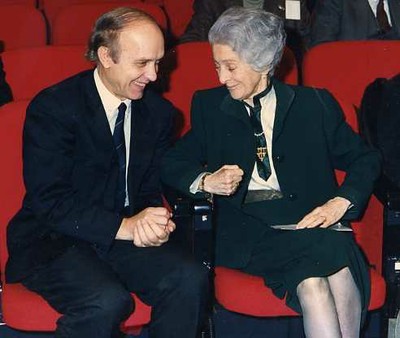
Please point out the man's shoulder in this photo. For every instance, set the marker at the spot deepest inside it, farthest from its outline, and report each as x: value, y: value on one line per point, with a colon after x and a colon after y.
x: 152, y: 97
x: 156, y: 103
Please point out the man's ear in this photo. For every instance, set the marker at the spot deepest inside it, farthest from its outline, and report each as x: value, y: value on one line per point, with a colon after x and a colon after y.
x: 103, y: 54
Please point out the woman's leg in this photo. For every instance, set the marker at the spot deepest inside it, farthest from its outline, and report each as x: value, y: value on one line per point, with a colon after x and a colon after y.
x: 318, y: 306
x: 347, y: 301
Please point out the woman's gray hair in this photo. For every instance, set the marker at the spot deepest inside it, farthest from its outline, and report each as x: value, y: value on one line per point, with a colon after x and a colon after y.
x: 258, y: 37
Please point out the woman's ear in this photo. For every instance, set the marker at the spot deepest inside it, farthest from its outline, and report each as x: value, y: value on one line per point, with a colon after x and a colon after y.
x: 265, y: 73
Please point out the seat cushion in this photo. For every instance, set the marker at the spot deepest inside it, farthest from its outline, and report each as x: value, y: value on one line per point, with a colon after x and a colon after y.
x: 246, y: 294
x: 27, y: 311
x: 243, y: 293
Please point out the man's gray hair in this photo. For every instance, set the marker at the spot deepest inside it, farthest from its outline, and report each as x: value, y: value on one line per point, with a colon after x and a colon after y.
x: 258, y: 37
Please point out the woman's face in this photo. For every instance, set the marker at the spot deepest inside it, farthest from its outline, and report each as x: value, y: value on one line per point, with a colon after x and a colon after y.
x: 242, y: 81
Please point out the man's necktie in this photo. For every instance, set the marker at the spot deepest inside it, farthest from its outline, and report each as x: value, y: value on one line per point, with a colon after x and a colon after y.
x: 119, y: 142
x: 382, y: 18
x: 262, y: 159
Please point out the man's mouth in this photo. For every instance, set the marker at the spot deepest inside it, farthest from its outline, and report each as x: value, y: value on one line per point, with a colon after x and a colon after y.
x: 140, y: 84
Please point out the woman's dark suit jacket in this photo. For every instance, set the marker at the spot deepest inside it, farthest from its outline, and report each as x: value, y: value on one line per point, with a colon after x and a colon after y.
x: 71, y: 171
x: 310, y: 140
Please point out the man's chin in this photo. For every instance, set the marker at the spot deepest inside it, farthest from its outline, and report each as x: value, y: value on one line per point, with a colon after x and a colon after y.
x: 137, y: 95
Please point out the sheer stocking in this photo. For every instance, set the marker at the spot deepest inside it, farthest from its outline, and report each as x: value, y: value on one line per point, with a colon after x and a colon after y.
x: 347, y: 301
x: 331, y: 306
x: 319, y: 313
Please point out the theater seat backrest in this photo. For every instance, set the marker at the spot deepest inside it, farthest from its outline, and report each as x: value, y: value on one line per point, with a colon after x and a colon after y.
x: 345, y: 68
x: 21, y: 26
x: 30, y: 70
x: 72, y: 24
x: 178, y: 23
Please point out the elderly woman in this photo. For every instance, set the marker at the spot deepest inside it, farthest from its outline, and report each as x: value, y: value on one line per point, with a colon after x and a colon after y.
x: 267, y: 152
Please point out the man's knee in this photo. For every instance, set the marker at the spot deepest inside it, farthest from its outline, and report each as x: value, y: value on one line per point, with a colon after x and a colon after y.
x: 192, y: 279
x: 196, y: 277
x: 113, y: 302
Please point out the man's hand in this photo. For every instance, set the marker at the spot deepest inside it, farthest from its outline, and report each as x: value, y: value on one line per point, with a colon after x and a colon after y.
x: 150, y: 227
x: 224, y: 181
x: 326, y: 214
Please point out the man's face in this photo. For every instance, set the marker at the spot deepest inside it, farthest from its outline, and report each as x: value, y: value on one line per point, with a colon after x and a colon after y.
x: 141, y: 46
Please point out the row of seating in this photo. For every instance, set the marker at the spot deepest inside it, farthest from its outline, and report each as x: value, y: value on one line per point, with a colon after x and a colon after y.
x: 345, y: 68
x: 69, y: 22
x: 177, y: 23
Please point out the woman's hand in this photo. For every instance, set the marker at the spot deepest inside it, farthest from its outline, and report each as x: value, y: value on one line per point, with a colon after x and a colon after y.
x: 224, y: 181
x: 326, y: 214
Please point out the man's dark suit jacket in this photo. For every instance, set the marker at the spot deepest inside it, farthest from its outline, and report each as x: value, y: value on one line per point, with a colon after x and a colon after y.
x: 310, y: 140
x: 335, y: 20
x: 206, y: 12
x: 71, y: 171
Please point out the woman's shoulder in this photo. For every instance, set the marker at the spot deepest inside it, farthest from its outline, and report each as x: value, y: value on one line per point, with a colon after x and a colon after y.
x: 212, y: 93
x: 304, y: 93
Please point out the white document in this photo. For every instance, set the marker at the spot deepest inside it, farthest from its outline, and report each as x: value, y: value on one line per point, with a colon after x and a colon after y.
x: 292, y: 9
x: 337, y: 227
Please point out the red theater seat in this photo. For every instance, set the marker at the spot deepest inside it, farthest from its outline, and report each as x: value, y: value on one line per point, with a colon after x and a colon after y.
x: 345, y: 68
x: 73, y: 24
x: 52, y: 7
x: 21, y: 26
x: 18, y: 2
x: 179, y: 14
x: 30, y: 70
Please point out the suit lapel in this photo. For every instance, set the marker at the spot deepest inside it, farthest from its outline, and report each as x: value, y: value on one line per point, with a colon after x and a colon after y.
x: 362, y: 10
x: 238, y: 136
x: 394, y: 8
x: 284, y: 99
x: 96, y: 119
x: 234, y: 108
x: 141, y: 144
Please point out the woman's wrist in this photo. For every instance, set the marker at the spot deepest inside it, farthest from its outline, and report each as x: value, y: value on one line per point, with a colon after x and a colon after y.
x: 203, y: 182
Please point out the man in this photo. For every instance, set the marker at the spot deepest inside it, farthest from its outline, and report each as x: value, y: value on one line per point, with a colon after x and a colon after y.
x: 92, y: 227
x: 335, y: 20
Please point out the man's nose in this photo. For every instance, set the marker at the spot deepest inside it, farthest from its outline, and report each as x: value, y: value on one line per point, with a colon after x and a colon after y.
x: 151, y: 72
